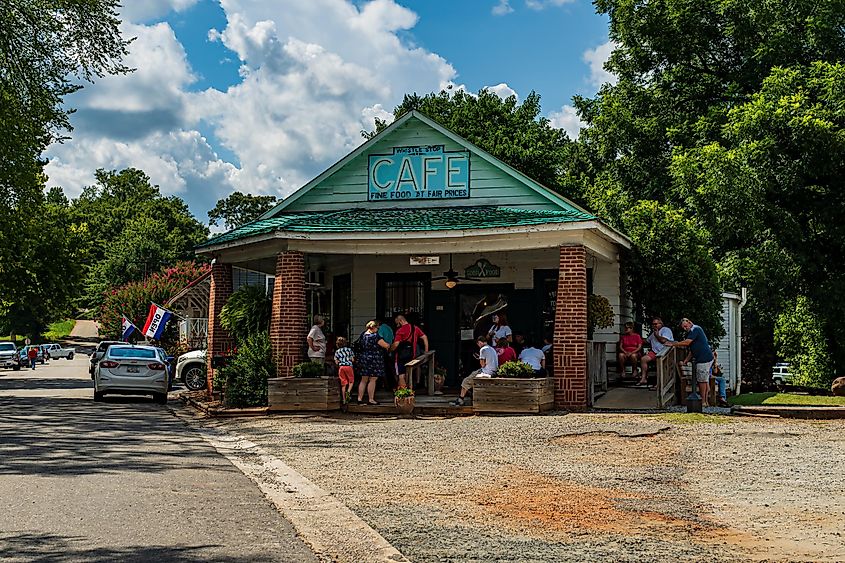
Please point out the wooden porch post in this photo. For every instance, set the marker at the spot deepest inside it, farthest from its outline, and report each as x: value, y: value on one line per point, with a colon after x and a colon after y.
x: 570, y: 337
x: 288, y: 320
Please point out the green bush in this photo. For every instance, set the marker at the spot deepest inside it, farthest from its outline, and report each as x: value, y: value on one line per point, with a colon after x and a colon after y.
x: 801, y: 339
x: 599, y: 312
x: 246, y: 312
x: 515, y: 369
x: 309, y: 369
x: 244, y: 380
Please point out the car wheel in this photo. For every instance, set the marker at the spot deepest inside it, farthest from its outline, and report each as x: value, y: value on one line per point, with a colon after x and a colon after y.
x: 70, y: 356
x: 195, y: 379
x: 160, y: 398
x: 98, y: 396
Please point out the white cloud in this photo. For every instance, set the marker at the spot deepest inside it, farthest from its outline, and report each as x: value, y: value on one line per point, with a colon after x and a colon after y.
x: 568, y: 120
x: 313, y: 75
x: 543, y: 4
x: 502, y: 8
x: 596, y: 59
x: 503, y: 91
x: 146, y: 10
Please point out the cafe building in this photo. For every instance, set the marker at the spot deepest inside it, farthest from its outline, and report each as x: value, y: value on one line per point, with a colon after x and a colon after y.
x: 419, y: 221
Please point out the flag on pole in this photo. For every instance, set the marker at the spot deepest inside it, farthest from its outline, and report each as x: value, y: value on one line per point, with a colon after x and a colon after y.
x: 156, y: 321
x: 128, y: 328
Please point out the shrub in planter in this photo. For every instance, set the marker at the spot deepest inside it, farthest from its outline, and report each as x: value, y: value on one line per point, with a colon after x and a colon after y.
x: 244, y: 378
x: 309, y: 369
x: 515, y: 369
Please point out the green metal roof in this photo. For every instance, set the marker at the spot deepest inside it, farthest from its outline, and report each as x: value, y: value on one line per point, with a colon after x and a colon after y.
x: 400, y: 220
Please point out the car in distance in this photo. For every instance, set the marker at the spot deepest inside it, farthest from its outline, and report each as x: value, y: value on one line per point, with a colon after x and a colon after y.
x: 98, y: 353
x: 55, y: 351
x: 781, y: 374
x: 191, y: 369
x: 9, y: 356
x: 23, y: 354
x: 127, y: 369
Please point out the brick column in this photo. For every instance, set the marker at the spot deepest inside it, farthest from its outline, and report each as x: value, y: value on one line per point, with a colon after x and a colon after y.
x: 288, y: 320
x: 219, y: 341
x: 570, y: 338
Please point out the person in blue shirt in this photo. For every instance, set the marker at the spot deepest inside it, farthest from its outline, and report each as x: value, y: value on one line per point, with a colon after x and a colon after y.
x: 701, y: 352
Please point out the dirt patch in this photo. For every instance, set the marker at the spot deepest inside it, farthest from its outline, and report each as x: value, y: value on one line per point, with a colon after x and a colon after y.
x: 618, y: 450
x: 548, y: 504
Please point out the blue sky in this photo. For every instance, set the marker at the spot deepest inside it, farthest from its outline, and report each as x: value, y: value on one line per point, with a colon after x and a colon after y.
x: 262, y: 95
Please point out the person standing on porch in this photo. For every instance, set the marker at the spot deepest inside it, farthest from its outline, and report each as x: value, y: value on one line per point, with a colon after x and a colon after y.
x: 371, y: 362
x: 698, y: 345
x: 317, y: 341
x: 406, y: 345
x: 489, y: 362
x: 344, y: 358
x: 657, y: 340
x: 500, y: 329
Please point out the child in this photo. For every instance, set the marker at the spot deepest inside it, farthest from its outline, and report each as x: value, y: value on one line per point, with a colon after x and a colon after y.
x: 344, y: 357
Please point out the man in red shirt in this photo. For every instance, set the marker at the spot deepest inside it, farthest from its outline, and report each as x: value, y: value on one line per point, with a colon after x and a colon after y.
x: 406, y: 345
x: 629, y: 349
x: 504, y: 351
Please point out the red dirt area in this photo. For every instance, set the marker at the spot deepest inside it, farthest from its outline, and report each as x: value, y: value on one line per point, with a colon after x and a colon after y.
x: 545, y: 504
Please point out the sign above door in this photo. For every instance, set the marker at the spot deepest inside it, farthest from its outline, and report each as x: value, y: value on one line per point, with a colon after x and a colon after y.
x: 483, y: 269
x: 426, y: 172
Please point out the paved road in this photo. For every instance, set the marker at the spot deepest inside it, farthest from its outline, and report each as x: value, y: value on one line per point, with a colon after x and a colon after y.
x: 84, y: 329
x: 123, y: 480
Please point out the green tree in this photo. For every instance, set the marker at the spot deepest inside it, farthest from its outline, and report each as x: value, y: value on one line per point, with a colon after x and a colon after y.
x: 239, y: 209
x: 134, y: 230
x: 703, y: 119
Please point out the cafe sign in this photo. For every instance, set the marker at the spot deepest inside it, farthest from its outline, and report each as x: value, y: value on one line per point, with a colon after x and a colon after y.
x: 483, y: 269
x: 426, y: 172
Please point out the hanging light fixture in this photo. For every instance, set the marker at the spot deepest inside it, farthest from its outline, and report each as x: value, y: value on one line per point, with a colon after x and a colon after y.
x: 451, y: 279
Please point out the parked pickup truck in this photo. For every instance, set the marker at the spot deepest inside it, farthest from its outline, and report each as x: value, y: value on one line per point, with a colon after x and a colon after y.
x: 9, y: 356
x: 56, y: 351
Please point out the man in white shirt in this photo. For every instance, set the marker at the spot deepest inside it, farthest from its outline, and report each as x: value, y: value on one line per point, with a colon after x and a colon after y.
x: 655, y: 345
x: 535, y: 358
x: 317, y: 341
x: 489, y: 362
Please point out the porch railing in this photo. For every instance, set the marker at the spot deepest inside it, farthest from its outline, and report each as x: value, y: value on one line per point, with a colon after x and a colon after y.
x: 667, y: 376
x: 596, y: 370
x: 414, y: 371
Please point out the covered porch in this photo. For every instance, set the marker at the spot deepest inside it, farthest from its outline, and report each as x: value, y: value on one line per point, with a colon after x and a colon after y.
x: 537, y: 267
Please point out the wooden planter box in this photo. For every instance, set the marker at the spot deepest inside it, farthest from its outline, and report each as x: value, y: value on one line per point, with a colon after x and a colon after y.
x: 303, y: 394
x: 502, y: 394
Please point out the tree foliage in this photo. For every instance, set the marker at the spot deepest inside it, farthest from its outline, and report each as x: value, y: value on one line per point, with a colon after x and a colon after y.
x: 133, y: 230
x: 239, y: 209
x: 133, y: 299
x: 730, y: 111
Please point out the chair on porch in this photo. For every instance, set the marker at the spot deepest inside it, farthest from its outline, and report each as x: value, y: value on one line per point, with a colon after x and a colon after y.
x: 414, y: 371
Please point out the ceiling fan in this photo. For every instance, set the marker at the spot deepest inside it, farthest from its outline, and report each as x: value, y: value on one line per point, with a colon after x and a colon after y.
x: 451, y: 276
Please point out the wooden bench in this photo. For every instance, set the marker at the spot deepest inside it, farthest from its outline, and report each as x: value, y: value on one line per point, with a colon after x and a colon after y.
x: 414, y: 370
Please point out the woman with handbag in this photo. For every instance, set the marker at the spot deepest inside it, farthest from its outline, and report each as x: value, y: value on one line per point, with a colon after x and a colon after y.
x: 406, y: 345
x: 370, y: 362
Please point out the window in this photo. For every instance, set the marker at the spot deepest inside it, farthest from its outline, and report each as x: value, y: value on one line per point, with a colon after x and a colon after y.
x: 130, y: 352
x: 242, y: 277
x: 403, y: 293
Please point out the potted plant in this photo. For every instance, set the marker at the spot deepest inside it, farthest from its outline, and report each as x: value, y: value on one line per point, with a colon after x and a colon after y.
x: 403, y: 398
x: 515, y: 369
x: 308, y: 369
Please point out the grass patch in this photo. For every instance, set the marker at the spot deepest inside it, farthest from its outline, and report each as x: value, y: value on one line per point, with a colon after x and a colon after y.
x: 694, y: 418
x: 59, y: 329
x: 786, y: 400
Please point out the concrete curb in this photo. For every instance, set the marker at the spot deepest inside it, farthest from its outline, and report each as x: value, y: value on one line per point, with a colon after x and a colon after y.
x: 809, y: 413
x: 327, y: 525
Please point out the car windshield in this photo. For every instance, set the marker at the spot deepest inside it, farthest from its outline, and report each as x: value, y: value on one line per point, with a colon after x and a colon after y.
x: 7, y: 347
x: 127, y: 352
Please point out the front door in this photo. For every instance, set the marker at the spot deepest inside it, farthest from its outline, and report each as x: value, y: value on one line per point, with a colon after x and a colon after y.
x: 406, y: 294
x: 476, y: 305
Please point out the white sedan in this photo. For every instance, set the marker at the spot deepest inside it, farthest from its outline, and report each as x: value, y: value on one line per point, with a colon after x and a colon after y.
x: 131, y: 370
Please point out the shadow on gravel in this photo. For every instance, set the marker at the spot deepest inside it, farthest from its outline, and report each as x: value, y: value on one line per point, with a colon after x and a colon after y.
x: 43, y: 548
x: 52, y: 436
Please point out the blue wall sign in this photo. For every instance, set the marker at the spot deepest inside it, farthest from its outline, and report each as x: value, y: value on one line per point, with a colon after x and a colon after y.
x: 428, y: 172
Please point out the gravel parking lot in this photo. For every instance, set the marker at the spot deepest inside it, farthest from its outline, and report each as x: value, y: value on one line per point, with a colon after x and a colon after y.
x: 571, y: 487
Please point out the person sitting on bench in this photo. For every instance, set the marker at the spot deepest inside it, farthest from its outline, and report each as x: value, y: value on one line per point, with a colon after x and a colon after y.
x: 629, y: 350
x: 489, y: 362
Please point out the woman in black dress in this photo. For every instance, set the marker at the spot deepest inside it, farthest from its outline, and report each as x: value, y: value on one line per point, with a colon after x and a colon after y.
x: 370, y: 362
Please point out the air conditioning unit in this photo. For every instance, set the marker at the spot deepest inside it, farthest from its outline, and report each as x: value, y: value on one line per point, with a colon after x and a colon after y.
x: 315, y: 279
